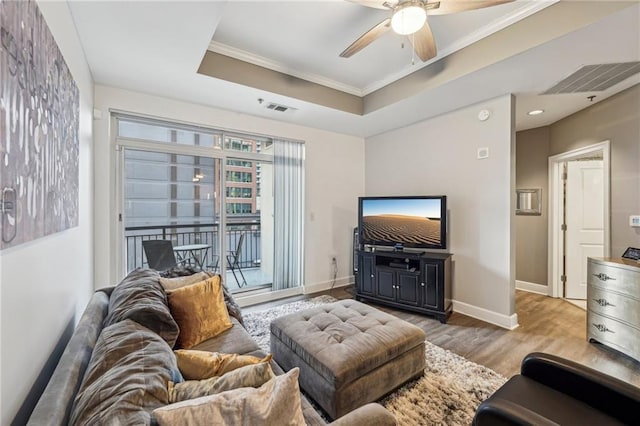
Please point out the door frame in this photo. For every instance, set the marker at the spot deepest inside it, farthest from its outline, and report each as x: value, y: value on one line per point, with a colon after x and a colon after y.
x: 556, y: 207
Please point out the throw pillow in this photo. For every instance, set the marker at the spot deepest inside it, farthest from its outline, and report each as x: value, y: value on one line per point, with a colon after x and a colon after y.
x: 126, y: 378
x: 198, y: 365
x: 200, y: 312
x: 277, y: 402
x: 141, y: 298
x: 253, y: 376
x: 181, y: 271
x: 232, y: 306
x: 175, y: 283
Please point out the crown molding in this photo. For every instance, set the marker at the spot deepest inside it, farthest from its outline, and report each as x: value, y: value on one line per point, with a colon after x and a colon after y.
x: 261, y: 61
x: 529, y: 8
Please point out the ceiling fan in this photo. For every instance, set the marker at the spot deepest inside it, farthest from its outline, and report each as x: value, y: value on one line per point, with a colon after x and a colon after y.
x: 409, y: 17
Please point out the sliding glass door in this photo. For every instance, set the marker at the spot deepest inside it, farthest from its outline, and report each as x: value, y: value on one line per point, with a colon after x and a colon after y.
x: 207, y: 196
x: 249, y: 212
x: 171, y: 197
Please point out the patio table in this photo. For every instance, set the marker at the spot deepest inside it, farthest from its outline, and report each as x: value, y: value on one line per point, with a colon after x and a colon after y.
x: 192, y: 252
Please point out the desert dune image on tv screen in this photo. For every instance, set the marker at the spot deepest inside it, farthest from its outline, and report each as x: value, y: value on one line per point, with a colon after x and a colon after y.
x: 412, y: 222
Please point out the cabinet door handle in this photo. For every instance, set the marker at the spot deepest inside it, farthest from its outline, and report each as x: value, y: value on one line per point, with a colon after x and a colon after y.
x: 603, y: 328
x: 603, y: 277
x: 604, y: 302
x: 422, y: 284
x: 371, y: 275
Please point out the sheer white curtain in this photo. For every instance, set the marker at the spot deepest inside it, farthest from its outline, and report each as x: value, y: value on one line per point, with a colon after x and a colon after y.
x: 288, y: 173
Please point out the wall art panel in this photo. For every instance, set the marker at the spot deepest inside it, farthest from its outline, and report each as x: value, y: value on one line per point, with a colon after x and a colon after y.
x: 39, y: 107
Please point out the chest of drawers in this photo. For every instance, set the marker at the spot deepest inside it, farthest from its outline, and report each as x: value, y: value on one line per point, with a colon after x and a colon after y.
x: 613, y: 304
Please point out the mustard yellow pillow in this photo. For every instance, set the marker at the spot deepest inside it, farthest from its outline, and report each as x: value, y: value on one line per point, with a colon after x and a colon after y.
x: 198, y: 365
x: 200, y: 312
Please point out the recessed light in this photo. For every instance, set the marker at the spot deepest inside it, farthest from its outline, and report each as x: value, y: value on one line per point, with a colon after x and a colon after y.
x: 536, y: 112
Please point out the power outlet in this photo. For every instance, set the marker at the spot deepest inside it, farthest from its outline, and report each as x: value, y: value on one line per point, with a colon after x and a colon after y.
x: 634, y: 221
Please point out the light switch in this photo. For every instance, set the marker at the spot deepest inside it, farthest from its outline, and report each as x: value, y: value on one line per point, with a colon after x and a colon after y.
x: 634, y: 221
x: 483, y: 153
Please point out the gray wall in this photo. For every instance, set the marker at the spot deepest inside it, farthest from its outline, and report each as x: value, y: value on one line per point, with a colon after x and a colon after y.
x: 532, y: 158
x: 616, y: 119
x: 439, y: 156
x: 47, y: 283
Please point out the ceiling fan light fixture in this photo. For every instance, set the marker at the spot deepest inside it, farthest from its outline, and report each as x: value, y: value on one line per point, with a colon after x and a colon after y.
x: 408, y: 19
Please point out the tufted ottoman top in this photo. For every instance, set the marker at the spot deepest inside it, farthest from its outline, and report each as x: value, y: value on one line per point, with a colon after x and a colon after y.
x: 345, y: 340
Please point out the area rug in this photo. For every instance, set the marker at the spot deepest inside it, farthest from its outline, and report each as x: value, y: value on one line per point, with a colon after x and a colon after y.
x: 448, y: 394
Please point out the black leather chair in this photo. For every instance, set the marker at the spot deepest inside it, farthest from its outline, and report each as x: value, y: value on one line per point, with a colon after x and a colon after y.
x: 554, y: 391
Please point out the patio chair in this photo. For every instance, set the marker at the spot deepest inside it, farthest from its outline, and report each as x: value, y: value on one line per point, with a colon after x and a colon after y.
x: 160, y: 255
x: 233, y: 258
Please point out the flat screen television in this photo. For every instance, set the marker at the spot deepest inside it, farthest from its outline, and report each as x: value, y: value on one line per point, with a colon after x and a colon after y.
x: 417, y: 222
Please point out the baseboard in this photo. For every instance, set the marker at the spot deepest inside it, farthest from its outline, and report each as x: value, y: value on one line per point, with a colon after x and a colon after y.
x: 532, y: 287
x: 266, y: 295
x: 327, y: 285
x: 501, y: 320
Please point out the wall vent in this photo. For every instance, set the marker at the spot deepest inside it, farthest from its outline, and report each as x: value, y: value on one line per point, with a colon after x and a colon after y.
x: 279, y: 107
x: 595, y: 78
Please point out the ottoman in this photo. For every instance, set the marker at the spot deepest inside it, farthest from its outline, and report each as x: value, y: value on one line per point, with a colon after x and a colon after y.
x: 349, y: 354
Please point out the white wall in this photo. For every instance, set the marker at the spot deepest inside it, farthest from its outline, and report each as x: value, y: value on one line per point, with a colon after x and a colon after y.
x: 334, y: 179
x: 47, y: 283
x: 439, y: 157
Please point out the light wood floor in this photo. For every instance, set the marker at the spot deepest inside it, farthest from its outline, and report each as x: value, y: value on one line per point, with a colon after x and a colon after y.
x: 546, y: 325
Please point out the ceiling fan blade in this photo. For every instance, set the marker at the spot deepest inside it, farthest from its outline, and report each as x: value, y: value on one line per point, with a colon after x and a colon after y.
x: 423, y: 43
x: 376, y: 4
x: 453, y: 6
x: 367, y: 38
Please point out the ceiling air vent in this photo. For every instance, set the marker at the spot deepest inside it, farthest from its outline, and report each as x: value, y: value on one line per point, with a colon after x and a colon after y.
x: 595, y: 78
x: 279, y: 107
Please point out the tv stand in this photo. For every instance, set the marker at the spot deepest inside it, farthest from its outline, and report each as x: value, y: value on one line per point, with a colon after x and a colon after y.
x: 419, y: 282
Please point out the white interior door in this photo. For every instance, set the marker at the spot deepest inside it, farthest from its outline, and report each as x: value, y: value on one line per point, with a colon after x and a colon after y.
x: 585, y: 222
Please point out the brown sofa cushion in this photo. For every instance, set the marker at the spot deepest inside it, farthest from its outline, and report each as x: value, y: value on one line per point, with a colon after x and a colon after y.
x: 126, y: 378
x: 200, y: 312
x: 182, y: 271
x: 182, y: 281
x: 141, y: 298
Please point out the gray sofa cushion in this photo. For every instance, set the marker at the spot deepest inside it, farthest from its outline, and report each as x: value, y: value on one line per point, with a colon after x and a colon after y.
x: 126, y: 378
x: 236, y: 340
x: 141, y: 298
x: 277, y: 402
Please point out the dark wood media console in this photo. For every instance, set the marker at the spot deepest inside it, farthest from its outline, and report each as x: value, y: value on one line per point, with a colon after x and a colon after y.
x: 419, y: 282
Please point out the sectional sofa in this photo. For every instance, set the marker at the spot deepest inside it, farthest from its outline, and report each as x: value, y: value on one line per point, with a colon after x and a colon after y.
x: 120, y: 363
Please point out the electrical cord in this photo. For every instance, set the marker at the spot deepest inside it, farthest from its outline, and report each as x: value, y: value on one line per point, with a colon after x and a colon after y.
x: 334, y: 263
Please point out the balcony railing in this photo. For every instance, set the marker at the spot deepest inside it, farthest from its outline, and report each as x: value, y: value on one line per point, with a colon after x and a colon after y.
x: 197, y: 233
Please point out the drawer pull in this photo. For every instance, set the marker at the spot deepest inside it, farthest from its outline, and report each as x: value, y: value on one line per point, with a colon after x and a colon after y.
x: 604, y: 302
x: 603, y: 328
x: 603, y: 277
